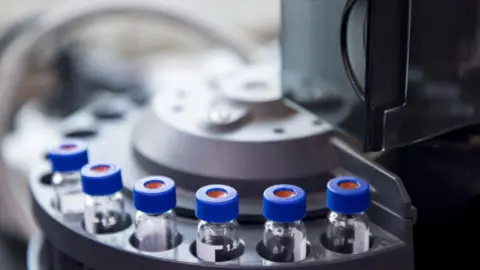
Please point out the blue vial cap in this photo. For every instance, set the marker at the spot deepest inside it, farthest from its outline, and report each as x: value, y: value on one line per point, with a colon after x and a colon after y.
x: 348, y: 195
x: 154, y: 195
x: 101, y: 179
x: 216, y: 203
x: 68, y: 156
x: 284, y: 203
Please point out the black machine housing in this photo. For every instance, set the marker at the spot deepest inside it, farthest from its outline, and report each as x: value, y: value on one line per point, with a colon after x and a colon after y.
x: 415, y: 61
x: 407, y: 73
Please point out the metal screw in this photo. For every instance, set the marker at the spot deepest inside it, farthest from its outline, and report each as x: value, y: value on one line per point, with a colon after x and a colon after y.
x: 219, y: 116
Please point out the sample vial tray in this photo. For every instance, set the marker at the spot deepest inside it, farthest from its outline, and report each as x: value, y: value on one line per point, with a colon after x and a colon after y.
x: 391, y: 214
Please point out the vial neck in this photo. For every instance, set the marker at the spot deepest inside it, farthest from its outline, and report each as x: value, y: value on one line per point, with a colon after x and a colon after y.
x: 161, y: 215
x: 66, y: 177
x: 338, y: 215
x: 69, y: 174
x: 218, y: 223
x: 105, y: 198
x: 284, y: 224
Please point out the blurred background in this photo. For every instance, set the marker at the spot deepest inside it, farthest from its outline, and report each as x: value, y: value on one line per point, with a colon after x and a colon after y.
x: 101, y: 57
x: 136, y: 35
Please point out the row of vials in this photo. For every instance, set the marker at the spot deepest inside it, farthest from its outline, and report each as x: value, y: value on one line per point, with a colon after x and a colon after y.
x: 217, y: 207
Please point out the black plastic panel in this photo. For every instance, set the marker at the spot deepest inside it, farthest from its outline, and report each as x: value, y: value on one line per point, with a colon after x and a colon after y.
x: 385, y: 83
x: 420, y: 66
x: 443, y: 72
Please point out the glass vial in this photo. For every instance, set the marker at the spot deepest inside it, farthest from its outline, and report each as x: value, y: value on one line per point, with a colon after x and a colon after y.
x: 218, y: 236
x: 104, y: 206
x: 347, y: 224
x: 67, y: 160
x: 285, y: 234
x: 155, y: 221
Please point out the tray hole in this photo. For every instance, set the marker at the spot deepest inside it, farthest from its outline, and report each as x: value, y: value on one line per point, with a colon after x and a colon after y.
x: 108, y: 113
x: 343, y: 250
x: 279, y: 130
x: 46, y: 179
x: 124, y: 223
x: 221, y: 255
x: 279, y: 258
x: 80, y: 133
x: 149, y: 247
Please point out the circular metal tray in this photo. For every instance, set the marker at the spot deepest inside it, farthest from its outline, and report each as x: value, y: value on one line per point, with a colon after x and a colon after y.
x: 114, y: 251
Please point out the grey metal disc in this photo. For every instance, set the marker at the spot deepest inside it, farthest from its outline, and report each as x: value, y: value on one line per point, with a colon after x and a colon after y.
x: 238, y: 131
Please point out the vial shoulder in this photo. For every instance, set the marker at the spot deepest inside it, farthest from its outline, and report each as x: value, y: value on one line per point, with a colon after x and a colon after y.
x: 230, y: 225
x: 347, y: 220
x: 117, y: 196
x: 62, y: 178
x: 285, y: 228
x: 169, y: 215
x: 89, y: 200
x: 201, y: 224
x: 300, y: 226
x: 296, y: 224
x: 101, y: 200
